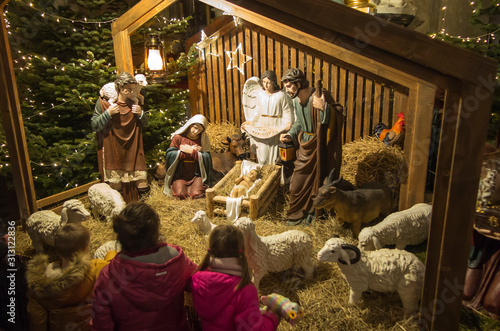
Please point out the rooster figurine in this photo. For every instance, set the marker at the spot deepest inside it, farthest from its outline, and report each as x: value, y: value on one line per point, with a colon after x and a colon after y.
x: 394, y: 135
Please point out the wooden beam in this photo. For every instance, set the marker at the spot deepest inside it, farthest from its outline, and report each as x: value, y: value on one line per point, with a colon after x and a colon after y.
x: 123, y: 52
x: 143, y: 9
x: 462, y: 141
x: 370, y: 30
x: 14, y: 130
x: 3, y: 3
x: 53, y: 199
x: 149, y: 15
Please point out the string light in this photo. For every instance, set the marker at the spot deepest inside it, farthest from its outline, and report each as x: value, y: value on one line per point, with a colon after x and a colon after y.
x: 58, y: 18
x: 477, y: 38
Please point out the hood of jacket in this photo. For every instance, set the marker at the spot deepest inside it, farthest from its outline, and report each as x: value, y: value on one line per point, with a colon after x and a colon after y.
x: 153, y: 279
x: 48, y: 279
x: 213, y: 293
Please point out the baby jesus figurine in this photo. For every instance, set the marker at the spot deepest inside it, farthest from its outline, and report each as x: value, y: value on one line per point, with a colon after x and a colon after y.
x: 244, y: 183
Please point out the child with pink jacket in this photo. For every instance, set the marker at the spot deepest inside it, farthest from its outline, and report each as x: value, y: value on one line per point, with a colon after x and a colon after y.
x: 223, y: 295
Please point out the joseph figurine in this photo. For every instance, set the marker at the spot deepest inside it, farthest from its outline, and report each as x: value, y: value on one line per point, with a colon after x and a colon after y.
x: 317, y: 136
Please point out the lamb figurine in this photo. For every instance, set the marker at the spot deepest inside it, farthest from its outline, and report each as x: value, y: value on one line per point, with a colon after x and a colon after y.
x: 201, y: 220
x: 42, y: 225
x: 102, y: 251
x: 407, y: 227
x: 105, y: 201
x: 384, y: 270
x: 108, y: 91
x: 276, y: 252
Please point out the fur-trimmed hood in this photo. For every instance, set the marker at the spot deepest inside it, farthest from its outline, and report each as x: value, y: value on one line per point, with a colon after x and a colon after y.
x: 47, y: 280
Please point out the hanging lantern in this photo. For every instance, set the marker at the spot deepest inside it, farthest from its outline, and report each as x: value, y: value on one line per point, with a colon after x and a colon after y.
x: 154, y: 60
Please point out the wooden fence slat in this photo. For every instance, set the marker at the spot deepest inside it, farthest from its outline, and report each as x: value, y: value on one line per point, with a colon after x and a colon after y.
x: 309, y: 68
x: 248, y: 50
x: 386, y: 107
x: 293, y: 57
x: 278, y: 64
x: 216, y: 85
x: 334, y: 81
x: 301, y: 64
x: 358, y: 129
x: 222, y: 82
x: 342, y: 100
x: 238, y: 110
x: 286, y: 58
x: 377, y: 99
x: 368, y: 120
x: 327, y: 80
x: 318, y: 72
x: 255, y: 53
x: 270, y: 54
x: 234, y: 90
x: 351, y: 85
x: 263, y: 59
x: 210, y: 84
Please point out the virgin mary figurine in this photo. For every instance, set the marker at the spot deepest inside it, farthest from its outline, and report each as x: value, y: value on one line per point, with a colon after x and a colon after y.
x: 188, y: 161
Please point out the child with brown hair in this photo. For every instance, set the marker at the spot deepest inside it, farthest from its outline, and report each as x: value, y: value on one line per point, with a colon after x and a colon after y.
x: 223, y: 294
x: 60, y: 293
x: 143, y: 286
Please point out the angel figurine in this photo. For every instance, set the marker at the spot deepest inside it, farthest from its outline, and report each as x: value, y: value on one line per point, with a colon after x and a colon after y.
x: 268, y: 112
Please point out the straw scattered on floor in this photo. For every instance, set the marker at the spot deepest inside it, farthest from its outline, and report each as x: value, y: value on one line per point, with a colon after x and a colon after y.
x: 324, y: 298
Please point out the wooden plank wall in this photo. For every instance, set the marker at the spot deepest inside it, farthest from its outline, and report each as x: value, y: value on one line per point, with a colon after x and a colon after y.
x: 366, y: 101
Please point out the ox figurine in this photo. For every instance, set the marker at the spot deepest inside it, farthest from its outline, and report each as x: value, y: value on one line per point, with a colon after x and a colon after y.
x: 225, y: 161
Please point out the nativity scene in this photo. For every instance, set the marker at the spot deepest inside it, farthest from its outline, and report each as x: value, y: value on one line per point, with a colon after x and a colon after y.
x: 282, y: 185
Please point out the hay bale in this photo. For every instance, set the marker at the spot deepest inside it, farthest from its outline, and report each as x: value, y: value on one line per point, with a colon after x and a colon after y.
x: 369, y: 160
x: 217, y: 132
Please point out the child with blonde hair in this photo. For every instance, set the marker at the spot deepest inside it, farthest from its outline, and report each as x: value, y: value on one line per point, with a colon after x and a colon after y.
x: 60, y: 293
x: 223, y: 294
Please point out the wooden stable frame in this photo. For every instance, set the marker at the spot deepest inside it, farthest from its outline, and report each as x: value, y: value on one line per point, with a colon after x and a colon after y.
x: 362, y: 44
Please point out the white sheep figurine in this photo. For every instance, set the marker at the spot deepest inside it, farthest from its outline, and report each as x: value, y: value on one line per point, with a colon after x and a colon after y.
x: 102, y: 251
x: 406, y: 227
x: 276, y: 252
x: 384, y: 270
x: 108, y: 91
x: 202, y: 221
x: 42, y: 225
x: 105, y: 201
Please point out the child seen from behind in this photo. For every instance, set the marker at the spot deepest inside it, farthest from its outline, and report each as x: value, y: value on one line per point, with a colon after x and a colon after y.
x: 60, y: 292
x: 143, y: 286
x: 223, y: 294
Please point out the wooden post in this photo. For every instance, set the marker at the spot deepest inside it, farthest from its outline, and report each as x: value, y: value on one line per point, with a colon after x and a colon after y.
x: 210, y: 193
x: 459, y: 164
x: 14, y: 129
x: 418, y: 111
x: 254, y: 207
